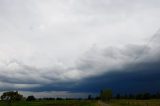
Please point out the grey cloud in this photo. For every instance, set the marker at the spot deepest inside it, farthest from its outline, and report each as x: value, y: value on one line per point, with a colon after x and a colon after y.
x: 55, y: 43
x: 94, y: 62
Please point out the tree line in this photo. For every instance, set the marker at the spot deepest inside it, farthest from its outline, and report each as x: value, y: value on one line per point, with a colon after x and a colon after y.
x: 11, y: 96
x: 105, y: 95
x: 139, y: 96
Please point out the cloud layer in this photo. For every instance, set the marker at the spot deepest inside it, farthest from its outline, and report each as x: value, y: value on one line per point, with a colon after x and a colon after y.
x: 75, y: 46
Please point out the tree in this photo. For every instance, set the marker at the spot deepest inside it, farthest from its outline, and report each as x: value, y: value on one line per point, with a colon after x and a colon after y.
x: 118, y: 96
x: 31, y: 98
x: 131, y: 96
x: 106, y: 95
x: 89, y: 97
x: 146, y: 96
x: 157, y: 95
x: 11, y: 96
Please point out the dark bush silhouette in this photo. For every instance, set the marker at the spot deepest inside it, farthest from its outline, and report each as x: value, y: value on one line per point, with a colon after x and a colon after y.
x: 59, y: 98
x: 89, y: 97
x: 97, y: 98
x: 146, y: 96
x: 118, y: 96
x: 30, y: 98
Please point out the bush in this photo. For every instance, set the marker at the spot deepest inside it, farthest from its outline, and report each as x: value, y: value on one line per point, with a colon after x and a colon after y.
x: 30, y: 98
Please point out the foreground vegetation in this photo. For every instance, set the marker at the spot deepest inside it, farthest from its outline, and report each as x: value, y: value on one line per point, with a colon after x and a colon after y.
x: 51, y: 103
x: 115, y: 102
x: 13, y: 98
x: 127, y: 102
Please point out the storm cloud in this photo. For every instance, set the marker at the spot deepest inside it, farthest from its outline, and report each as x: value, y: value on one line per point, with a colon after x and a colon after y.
x: 79, y: 46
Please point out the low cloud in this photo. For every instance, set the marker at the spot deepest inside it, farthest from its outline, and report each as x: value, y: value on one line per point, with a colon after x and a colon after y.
x: 117, y: 68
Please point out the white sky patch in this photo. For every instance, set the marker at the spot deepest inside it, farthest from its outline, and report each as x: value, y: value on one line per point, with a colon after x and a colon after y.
x: 55, y: 94
x: 10, y: 86
x: 26, y: 85
x: 48, y: 41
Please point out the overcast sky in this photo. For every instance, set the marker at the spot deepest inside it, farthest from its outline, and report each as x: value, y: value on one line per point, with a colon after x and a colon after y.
x: 61, y: 45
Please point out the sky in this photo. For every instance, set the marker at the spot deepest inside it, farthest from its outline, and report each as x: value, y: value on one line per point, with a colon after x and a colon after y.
x: 73, y: 48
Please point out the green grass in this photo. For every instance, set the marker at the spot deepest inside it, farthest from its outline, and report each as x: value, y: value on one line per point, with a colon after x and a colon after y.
x: 135, y: 103
x: 52, y: 103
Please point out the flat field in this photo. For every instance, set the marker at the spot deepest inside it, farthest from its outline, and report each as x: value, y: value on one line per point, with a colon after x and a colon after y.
x: 83, y: 103
x: 52, y: 103
x: 135, y: 102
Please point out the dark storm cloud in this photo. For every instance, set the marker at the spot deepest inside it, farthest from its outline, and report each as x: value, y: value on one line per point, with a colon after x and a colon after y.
x: 132, y: 68
x: 134, y: 78
x: 140, y: 77
x: 137, y: 75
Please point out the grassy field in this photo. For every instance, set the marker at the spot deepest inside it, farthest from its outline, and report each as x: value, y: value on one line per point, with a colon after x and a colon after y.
x: 83, y: 103
x: 135, y: 103
x: 52, y: 103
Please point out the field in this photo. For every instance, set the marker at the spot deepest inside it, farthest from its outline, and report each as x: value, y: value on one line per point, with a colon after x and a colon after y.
x: 135, y: 103
x: 83, y: 103
x: 52, y: 103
